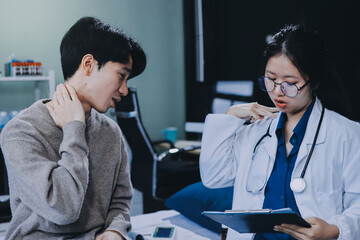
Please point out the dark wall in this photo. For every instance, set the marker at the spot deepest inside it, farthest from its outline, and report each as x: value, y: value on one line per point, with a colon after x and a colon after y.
x: 234, y: 39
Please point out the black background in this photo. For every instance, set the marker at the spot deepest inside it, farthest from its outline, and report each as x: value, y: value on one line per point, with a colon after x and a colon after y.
x: 234, y: 40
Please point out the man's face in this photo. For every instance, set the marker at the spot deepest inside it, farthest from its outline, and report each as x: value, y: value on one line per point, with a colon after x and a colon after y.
x: 106, y: 85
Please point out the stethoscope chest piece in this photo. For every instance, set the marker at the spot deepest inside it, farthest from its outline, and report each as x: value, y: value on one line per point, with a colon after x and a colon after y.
x: 297, y: 184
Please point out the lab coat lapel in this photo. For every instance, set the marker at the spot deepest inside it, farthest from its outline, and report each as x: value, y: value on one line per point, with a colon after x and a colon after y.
x: 309, y: 136
x: 270, y: 145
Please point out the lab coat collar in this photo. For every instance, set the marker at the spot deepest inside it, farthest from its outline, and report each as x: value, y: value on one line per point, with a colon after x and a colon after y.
x: 271, y: 145
x: 310, y: 134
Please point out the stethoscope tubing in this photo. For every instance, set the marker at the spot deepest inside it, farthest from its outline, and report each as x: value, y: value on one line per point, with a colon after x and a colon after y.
x: 267, y: 134
x: 313, y: 144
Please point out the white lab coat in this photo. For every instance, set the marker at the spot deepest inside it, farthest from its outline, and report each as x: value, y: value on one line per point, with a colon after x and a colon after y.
x: 332, y: 192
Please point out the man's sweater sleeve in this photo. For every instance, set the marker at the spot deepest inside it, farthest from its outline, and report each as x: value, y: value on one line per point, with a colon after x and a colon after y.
x: 52, y: 188
x: 118, y: 218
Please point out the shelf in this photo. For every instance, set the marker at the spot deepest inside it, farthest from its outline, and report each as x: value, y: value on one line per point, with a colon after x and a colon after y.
x: 36, y: 79
x: 24, y: 78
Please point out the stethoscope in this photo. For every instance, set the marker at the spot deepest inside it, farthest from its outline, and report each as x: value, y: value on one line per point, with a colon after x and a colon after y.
x: 297, y: 184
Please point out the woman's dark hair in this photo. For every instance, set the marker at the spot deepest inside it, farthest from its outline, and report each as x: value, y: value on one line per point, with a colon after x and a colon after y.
x: 91, y: 36
x: 307, y: 51
x: 304, y: 48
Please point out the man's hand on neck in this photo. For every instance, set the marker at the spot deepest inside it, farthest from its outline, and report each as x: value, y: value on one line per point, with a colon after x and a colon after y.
x: 65, y: 106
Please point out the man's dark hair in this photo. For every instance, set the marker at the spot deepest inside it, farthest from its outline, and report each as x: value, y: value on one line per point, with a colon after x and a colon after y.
x: 91, y: 36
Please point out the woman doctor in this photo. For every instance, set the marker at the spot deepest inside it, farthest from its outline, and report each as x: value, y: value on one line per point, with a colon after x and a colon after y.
x: 297, y: 154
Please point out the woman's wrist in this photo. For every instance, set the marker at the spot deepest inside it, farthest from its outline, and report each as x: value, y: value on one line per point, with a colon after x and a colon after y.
x: 333, y: 231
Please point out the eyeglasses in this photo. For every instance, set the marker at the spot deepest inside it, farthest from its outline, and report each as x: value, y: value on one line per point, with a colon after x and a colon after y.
x: 289, y: 89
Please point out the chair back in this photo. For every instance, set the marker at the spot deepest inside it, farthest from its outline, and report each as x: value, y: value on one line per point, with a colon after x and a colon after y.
x: 143, y: 154
x: 5, y: 211
x: 153, y: 176
x: 228, y: 93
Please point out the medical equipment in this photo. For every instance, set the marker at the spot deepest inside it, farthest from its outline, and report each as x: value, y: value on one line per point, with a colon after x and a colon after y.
x: 297, y: 184
x: 164, y: 233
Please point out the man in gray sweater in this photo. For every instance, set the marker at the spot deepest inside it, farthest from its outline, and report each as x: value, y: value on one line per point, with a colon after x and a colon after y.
x: 67, y: 164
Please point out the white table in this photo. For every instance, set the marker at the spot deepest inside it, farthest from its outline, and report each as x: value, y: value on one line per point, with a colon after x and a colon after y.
x: 185, y: 228
x: 3, y: 227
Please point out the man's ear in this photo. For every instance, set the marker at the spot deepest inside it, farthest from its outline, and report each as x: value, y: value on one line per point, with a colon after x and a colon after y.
x: 88, y: 63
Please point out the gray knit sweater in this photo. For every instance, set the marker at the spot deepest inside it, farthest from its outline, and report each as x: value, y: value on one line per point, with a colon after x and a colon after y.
x: 69, y: 183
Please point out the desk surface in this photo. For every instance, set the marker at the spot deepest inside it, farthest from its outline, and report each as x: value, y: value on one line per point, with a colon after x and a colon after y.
x: 186, y: 143
x: 185, y: 228
x: 3, y: 227
x: 183, y: 144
